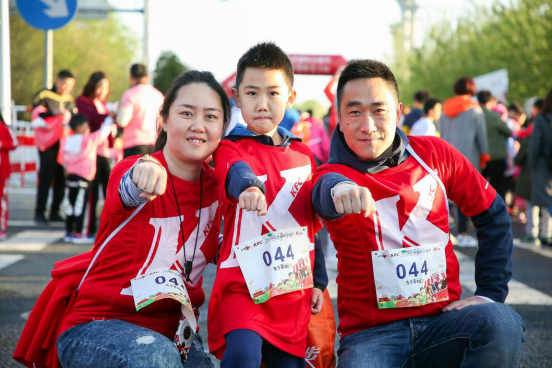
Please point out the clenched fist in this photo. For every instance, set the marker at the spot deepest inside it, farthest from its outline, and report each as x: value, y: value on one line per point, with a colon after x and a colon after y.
x: 350, y: 198
x: 151, y: 178
x: 253, y: 199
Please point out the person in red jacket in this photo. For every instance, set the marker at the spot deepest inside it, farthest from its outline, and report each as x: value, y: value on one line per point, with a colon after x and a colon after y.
x: 8, y: 142
x: 384, y: 199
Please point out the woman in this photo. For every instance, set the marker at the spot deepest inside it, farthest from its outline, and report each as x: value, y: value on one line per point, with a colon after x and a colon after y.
x: 142, y: 238
x: 92, y: 104
x: 540, y: 159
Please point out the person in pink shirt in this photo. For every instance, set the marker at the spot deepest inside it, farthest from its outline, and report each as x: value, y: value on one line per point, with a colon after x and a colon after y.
x: 138, y: 113
x: 92, y: 104
x: 79, y: 154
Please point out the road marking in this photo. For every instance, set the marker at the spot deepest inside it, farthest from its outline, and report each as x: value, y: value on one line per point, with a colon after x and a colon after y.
x: 519, y: 292
x: 9, y: 259
x: 534, y: 248
x: 30, y: 240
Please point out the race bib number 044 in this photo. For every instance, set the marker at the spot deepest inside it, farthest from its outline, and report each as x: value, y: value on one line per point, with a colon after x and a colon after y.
x: 410, y: 277
x: 276, y: 263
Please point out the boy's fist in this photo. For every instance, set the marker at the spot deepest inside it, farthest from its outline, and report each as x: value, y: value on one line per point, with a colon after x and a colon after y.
x: 317, y: 300
x: 350, y: 198
x: 253, y: 199
x: 151, y: 178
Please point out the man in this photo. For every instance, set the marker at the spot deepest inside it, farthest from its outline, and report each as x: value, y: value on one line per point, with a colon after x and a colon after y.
x: 51, y: 111
x: 497, y: 135
x: 426, y: 124
x: 463, y: 126
x: 384, y: 199
x: 138, y: 113
x: 420, y: 97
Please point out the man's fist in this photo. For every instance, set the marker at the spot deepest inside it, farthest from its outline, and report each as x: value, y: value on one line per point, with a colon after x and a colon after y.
x: 253, y: 199
x: 350, y: 198
x: 151, y: 178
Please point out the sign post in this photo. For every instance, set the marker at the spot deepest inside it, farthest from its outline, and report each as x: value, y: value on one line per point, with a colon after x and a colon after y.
x: 5, y: 78
x: 47, y: 15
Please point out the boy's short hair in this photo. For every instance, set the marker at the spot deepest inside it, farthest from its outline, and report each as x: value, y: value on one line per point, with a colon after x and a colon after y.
x: 430, y: 104
x: 64, y: 74
x: 138, y: 71
x: 366, y: 68
x: 77, y: 120
x: 484, y: 96
x: 539, y: 103
x: 265, y: 55
x: 516, y: 107
x: 422, y: 96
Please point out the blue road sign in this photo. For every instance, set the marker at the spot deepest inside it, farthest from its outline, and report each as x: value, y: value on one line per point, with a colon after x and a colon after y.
x: 47, y: 14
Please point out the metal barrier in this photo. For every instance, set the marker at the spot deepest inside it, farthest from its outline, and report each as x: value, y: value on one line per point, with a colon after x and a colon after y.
x: 24, y: 159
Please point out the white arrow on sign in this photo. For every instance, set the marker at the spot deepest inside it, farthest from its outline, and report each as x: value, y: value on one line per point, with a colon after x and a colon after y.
x: 56, y: 8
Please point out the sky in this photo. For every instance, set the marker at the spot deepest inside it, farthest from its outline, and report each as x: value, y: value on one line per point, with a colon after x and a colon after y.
x: 213, y: 34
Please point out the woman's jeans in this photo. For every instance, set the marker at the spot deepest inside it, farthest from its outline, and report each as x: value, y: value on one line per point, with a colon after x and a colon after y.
x: 483, y: 335
x: 116, y: 343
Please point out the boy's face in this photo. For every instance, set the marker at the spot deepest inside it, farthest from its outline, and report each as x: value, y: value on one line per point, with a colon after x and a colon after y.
x: 83, y: 129
x: 64, y: 86
x: 263, y: 97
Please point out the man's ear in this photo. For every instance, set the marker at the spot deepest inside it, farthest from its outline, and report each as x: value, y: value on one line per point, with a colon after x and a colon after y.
x: 236, y: 97
x: 399, y: 112
x: 291, y: 99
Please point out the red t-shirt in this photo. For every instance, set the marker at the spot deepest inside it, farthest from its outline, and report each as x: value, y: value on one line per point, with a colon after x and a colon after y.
x: 411, y: 210
x: 151, y: 241
x: 287, y: 175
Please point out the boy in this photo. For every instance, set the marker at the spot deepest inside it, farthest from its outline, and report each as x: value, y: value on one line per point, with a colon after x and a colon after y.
x: 426, y: 124
x: 79, y: 158
x: 264, y: 169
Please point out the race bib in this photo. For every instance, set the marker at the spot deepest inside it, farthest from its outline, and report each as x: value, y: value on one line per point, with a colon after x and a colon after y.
x: 276, y: 263
x: 158, y: 285
x: 410, y: 277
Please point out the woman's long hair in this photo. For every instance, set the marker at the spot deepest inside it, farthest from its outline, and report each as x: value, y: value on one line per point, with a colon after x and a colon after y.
x: 189, y: 77
x: 89, y: 89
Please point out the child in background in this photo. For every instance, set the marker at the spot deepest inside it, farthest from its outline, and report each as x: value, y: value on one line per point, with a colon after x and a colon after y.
x: 8, y: 142
x: 79, y: 158
x: 266, y: 174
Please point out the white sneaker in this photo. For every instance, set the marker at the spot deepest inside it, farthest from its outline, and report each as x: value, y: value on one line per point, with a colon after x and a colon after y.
x: 466, y: 241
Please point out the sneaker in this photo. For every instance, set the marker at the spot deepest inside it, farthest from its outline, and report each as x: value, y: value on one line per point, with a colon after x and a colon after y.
x: 80, y: 238
x: 3, y: 235
x: 55, y: 217
x: 545, y: 241
x: 68, y: 237
x: 466, y: 241
x: 528, y: 239
x: 40, y: 218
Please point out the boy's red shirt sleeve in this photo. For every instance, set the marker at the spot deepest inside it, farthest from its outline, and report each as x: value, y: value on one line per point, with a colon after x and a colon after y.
x: 7, y: 139
x: 224, y: 157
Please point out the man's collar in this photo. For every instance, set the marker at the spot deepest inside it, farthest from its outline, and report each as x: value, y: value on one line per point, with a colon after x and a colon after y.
x: 240, y: 132
x: 341, y: 153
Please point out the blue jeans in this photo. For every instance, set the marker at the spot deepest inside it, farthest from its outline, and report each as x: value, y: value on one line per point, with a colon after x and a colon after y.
x: 483, y: 335
x: 116, y: 343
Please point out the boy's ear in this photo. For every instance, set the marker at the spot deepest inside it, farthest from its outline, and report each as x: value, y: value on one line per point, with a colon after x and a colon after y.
x: 291, y: 99
x: 236, y: 97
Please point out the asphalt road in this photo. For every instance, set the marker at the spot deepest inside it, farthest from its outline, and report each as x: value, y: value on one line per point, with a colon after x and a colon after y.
x: 28, y: 256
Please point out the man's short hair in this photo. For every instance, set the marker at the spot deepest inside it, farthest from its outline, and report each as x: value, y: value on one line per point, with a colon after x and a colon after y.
x: 265, y: 55
x: 430, y: 104
x: 422, y: 96
x: 64, y: 74
x: 138, y: 71
x: 366, y: 68
x: 465, y: 86
x: 516, y: 107
x: 77, y: 120
x: 539, y: 103
x: 484, y: 96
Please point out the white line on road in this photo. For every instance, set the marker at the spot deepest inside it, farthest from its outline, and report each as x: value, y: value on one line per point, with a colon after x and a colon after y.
x: 9, y: 259
x: 519, y: 292
x: 534, y: 248
x: 30, y: 240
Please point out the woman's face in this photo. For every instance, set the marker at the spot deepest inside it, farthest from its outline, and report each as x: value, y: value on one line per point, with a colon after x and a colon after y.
x: 102, y: 89
x: 194, y: 124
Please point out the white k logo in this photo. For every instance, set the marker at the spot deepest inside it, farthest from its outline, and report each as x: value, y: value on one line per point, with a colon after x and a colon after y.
x: 278, y: 216
x: 417, y: 230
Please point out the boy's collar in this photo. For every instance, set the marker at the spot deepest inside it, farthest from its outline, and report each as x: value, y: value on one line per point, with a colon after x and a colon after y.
x: 240, y: 132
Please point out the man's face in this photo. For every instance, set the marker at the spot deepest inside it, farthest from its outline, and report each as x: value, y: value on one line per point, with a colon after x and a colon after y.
x: 369, y: 116
x: 64, y: 86
x: 263, y: 96
x: 436, y: 111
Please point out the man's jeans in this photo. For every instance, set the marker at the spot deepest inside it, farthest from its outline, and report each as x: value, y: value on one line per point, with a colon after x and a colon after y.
x: 483, y: 335
x: 116, y: 343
